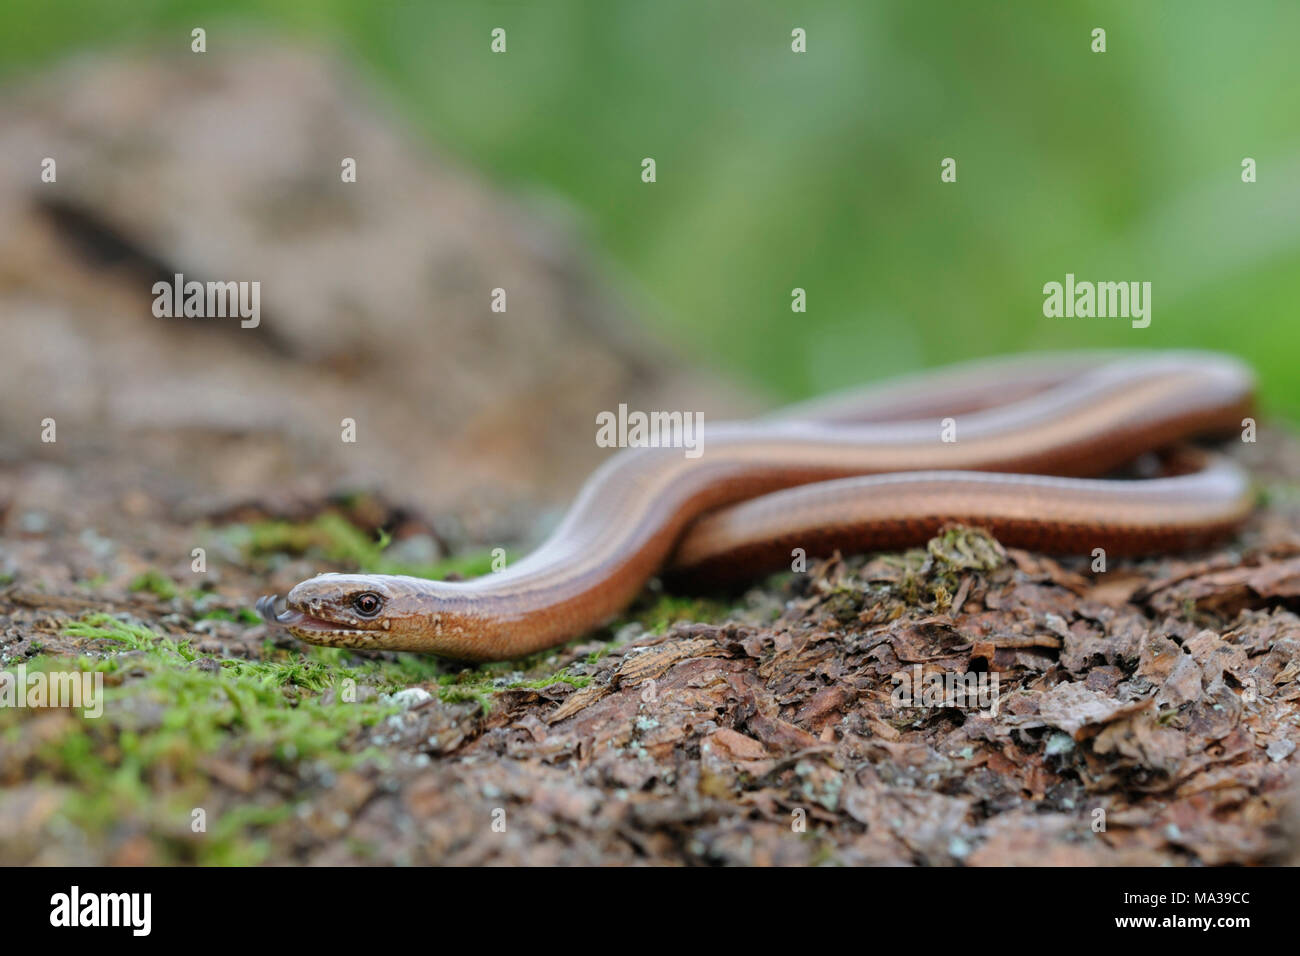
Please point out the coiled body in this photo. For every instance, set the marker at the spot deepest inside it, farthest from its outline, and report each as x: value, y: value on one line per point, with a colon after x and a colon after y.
x: 1007, y: 445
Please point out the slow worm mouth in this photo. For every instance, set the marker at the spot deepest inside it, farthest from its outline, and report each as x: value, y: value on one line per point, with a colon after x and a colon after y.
x: 294, y: 619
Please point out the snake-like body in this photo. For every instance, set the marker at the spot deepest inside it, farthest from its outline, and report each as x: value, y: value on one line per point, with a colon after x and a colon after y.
x: 1007, y: 445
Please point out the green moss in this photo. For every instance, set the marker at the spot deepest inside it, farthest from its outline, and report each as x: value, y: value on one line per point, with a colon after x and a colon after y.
x: 959, y: 548
x: 329, y: 535
x: 245, y: 615
x: 332, y: 537
x: 931, y: 576
x: 1280, y: 493
x: 472, y: 565
x: 480, y: 684
x: 217, y: 614
x: 475, y: 693
x: 665, y: 610
x: 560, y: 677
x: 226, y: 843
x: 140, y: 764
x: 156, y: 583
x: 104, y: 627
x: 844, y: 603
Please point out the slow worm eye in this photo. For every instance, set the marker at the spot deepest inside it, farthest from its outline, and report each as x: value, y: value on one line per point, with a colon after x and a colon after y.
x: 367, y: 603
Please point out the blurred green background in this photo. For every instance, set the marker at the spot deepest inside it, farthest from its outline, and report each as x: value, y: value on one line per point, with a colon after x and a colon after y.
x: 821, y: 170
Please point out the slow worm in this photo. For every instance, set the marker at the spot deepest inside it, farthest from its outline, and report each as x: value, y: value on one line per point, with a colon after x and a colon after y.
x: 1008, y: 445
